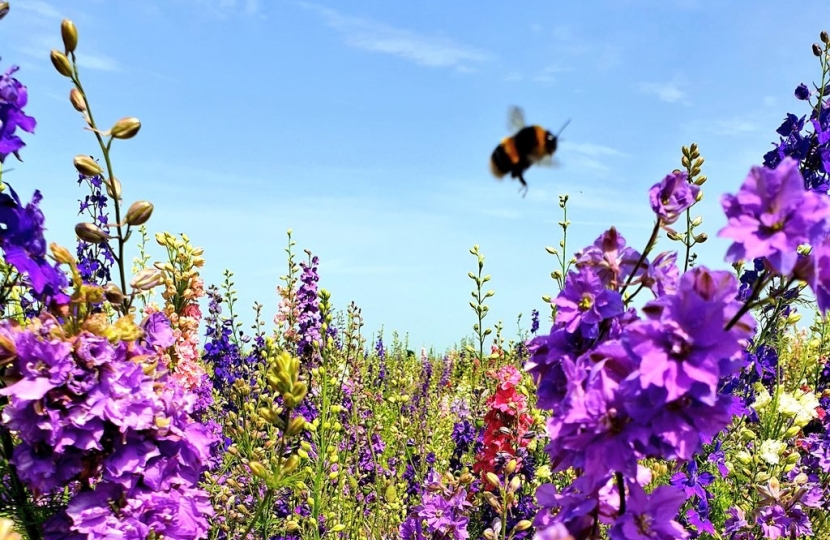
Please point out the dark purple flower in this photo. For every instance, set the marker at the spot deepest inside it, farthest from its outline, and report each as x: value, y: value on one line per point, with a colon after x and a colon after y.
x: 802, y: 92
x: 13, y: 97
x: 534, y: 321
x: 670, y: 197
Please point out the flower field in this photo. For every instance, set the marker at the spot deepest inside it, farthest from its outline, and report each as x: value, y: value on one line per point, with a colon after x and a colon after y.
x: 656, y: 399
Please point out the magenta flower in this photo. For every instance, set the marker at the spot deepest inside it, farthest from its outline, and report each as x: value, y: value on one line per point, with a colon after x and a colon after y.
x: 771, y: 215
x: 672, y: 196
x: 650, y: 516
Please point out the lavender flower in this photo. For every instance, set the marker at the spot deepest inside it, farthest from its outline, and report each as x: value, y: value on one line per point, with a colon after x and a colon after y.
x: 308, y: 322
x: 672, y: 196
x: 772, y: 215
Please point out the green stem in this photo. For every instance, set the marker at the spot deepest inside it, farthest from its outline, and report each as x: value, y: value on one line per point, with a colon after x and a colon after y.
x: 18, y: 491
x: 125, y: 305
x: 649, y: 245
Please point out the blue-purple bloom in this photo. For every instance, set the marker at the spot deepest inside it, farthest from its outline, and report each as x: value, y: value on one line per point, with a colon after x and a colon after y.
x: 13, y: 97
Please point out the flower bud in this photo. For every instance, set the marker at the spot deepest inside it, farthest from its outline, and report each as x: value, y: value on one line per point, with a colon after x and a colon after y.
x: 126, y: 128
x: 61, y: 63
x: 113, y: 188
x: 702, y: 237
x: 69, y: 34
x: 146, y: 279
x: 138, y: 213
x: 825, y: 38
x: 90, y: 233
x: 77, y: 100
x: 523, y: 525
x: 295, y: 426
x: 515, y: 484
x: 61, y: 254
x: 510, y: 468
x: 492, y: 479
x: 489, y: 534
x: 87, y: 166
x: 817, y: 49
x: 700, y: 180
x: 258, y: 469
x: 4, y: 9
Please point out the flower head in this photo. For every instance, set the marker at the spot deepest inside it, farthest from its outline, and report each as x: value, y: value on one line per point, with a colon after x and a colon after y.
x: 670, y: 197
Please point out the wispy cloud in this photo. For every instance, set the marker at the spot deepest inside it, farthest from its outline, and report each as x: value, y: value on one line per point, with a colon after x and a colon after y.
x: 735, y: 127
x: 38, y: 8
x: 591, y: 156
x: 670, y: 92
x: 226, y: 7
x: 424, y: 50
x: 39, y: 45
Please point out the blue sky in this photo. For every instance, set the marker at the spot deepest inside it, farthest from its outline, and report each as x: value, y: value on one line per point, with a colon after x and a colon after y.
x: 366, y: 127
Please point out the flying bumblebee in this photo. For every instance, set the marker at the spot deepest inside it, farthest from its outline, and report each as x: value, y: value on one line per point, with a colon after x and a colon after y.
x: 531, y: 145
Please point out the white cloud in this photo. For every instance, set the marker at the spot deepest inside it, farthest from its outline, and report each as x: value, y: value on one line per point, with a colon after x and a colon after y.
x: 670, y: 92
x: 425, y: 50
x: 39, y: 46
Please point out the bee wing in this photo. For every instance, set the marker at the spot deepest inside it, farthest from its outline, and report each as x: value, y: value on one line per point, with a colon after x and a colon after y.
x: 548, y: 161
x: 516, y: 119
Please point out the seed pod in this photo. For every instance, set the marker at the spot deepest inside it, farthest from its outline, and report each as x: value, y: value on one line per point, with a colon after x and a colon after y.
x: 113, y: 293
x: 113, y: 188
x: 825, y: 38
x: 817, y: 49
x: 61, y: 63
x: 91, y: 233
x: 126, y: 128
x: 87, y: 166
x: 69, y: 34
x: 138, y: 213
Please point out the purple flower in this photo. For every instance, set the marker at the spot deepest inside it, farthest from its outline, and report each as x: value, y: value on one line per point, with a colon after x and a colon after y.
x: 586, y: 302
x: 13, y: 97
x: 21, y: 237
x: 610, y: 258
x: 683, y: 346
x: 157, y: 330
x: 802, y: 92
x: 671, y: 196
x: 650, y: 516
x: 773, y: 521
x: 308, y: 322
x: 534, y: 321
x: 663, y: 274
x: 772, y: 215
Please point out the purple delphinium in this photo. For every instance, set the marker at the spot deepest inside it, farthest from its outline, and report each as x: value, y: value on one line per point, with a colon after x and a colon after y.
x: 585, y: 302
x: 381, y: 353
x: 86, y: 411
x: 220, y: 352
x: 95, y: 260
x: 611, y: 259
x: 441, y: 514
x: 650, y: 516
x: 534, y: 321
x: 670, y: 197
x: 21, y: 237
x: 308, y: 322
x: 772, y: 215
x: 13, y: 98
